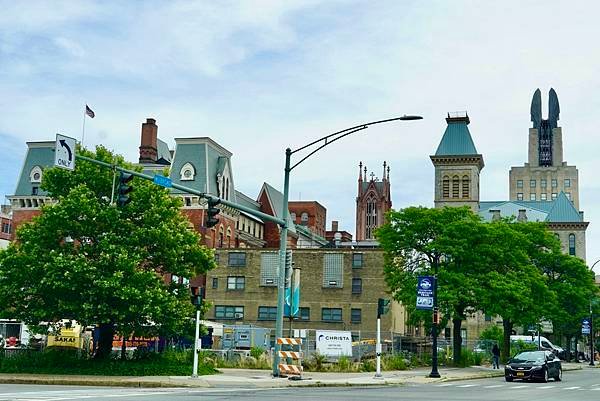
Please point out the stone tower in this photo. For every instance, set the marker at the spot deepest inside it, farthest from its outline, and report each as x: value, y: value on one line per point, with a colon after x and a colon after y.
x: 457, y: 165
x: 372, y: 203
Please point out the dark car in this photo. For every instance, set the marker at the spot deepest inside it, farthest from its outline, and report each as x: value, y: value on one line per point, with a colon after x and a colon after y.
x: 532, y: 365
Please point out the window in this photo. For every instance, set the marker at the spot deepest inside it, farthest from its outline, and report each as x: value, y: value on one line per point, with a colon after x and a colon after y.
x: 304, y: 219
x: 532, y: 197
x: 35, y: 175
x: 519, y: 183
x: 215, y: 283
x: 446, y: 187
x: 572, y: 244
x: 293, y: 216
x: 267, y: 312
x: 304, y: 314
x: 543, y: 183
x: 568, y: 194
x: 455, y: 186
x: 333, y: 264
x: 6, y: 228
x: 217, y: 258
x: 531, y: 183
x: 371, y: 217
x: 229, y: 312
x: 187, y: 172
x: 544, y: 196
x: 355, y: 315
x: 488, y: 318
x: 236, y: 282
x: 34, y: 190
x: 356, y: 285
x: 357, y: 260
x: 237, y: 259
x: 554, y: 183
x: 465, y: 186
x: 269, y: 266
x: 520, y: 196
x: 331, y: 314
x: 567, y: 182
x: 554, y: 195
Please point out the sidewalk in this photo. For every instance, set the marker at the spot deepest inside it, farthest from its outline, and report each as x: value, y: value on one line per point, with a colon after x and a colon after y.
x: 247, y: 378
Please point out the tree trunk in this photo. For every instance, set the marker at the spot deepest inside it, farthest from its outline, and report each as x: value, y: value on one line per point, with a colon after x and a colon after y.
x: 568, y: 351
x: 124, y: 347
x: 456, y: 341
x: 105, y: 337
x: 505, y: 351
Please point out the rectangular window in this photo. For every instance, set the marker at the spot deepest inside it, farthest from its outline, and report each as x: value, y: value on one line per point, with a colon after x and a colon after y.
x: 554, y: 195
x: 357, y: 260
x: 519, y: 183
x: 554, y: 183
x: 269, y: 267
x: 544, y: 196
x: 229, y: 312
x: 237, y: 259
x: 567, y: 182
x: 267, y: 312
x: 488, y: 318
x: 355, y: 315
x: 531, y: 183
x: 572, y: 244
x: 520, y: 196
x: 532, y: 197
x: 356, y: 285
x: 304, y: 313
x: 215, y: 283
x: 217, y: 258
x: 331, y: 314
x: 236, y: 282
x: 34, y: 190
x: 333, y: 268
x: 568, y: 195
x: 543, y: 183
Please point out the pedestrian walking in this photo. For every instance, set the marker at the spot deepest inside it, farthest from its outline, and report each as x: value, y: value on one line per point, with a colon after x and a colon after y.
x: 496, y: 357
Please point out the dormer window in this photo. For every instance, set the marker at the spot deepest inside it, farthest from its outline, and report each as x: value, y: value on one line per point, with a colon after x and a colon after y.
x: 188, y: 172
x: 35, y: 176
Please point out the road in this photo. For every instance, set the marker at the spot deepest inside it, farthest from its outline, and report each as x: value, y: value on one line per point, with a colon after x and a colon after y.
x: 577, y: 386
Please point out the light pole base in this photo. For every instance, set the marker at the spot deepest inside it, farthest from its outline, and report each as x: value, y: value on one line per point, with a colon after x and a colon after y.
x: 378, y: 376
x: 434, y: 375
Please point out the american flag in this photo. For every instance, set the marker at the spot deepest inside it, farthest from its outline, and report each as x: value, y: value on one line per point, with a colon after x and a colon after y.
x: 89, y: 111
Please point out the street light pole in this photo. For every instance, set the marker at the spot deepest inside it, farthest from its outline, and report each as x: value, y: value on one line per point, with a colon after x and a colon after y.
x: 326, y: 140
x: 434, y: 328
x: 591, y: 334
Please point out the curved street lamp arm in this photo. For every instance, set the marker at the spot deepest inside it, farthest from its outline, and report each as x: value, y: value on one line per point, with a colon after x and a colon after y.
x: 596, y: 262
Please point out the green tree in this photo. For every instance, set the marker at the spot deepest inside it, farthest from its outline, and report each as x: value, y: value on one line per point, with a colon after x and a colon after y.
x: 86, y: 260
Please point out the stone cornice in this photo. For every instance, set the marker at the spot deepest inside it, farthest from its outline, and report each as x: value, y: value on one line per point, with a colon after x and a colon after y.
x: 458, y: 159
x: 581, y: 225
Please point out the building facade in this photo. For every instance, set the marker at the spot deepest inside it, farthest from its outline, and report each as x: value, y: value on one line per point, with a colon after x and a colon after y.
x: 373, y: 201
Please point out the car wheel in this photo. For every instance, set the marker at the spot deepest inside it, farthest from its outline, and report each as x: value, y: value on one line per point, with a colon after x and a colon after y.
x: 508, y: 378
x: 559, y: 375
x: 545, y: 379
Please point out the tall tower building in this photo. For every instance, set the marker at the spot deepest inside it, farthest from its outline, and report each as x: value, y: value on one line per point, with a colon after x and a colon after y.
x: 372, y: 203
x: 457, y: 165
x: 546, y: 174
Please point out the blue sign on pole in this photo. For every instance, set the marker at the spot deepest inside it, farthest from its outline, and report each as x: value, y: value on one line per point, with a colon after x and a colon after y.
x: 162, y: 181
x: 585, y: 326
x: 425, y: 292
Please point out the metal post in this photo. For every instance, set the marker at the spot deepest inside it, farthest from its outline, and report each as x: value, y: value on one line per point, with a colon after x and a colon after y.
x: 378, y: 348
x: 282, y: 250
x: 434, y: 328
x: 591, y: 335
x: 196, y: 339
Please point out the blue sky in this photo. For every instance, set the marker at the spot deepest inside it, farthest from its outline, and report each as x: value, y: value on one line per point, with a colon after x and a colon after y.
x: 259, y: 76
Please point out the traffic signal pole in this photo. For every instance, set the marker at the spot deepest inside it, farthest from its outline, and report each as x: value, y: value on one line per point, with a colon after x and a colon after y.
x: 196, y: 344
x: 378, y: 348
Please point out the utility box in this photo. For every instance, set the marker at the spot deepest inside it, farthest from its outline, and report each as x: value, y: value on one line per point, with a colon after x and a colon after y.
x: 245, y: 337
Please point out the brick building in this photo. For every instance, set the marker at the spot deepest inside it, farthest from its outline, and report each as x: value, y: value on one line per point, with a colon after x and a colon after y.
x: 5, y: 226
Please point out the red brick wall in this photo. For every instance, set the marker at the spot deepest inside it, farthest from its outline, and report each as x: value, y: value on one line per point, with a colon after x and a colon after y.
x: 317, y: 215
x: 22, y: 216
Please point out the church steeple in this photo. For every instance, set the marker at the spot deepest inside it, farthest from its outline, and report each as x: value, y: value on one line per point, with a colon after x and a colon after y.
x: 372, y: 202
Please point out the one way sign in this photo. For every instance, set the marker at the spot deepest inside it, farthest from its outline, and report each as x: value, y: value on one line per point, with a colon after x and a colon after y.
x: 64, y: 154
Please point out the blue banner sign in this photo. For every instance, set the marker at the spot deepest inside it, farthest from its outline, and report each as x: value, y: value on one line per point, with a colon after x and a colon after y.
x: 162, y: 181
x: 425, y: 292
x: 585, y: 326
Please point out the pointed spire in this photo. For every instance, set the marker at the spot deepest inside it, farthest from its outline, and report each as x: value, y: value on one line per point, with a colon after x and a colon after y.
x: 365, y: 172
x: 384, y: 166
x: 388, y: 173
x: 360, y: 171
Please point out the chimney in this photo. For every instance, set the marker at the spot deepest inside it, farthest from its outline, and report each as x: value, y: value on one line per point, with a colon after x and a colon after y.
x: 522, y: 215
x: 581, y: 214
x: 148, y: 145
x: 334, y: 225
x: 495, y: 214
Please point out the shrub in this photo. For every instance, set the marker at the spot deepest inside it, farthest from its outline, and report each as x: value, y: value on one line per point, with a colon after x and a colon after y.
x: 368, y: 365
x: 256, y: 352
x: 344, y: 364
x: 394, y: 362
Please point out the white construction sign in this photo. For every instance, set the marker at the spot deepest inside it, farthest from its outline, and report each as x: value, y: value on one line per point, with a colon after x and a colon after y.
x: 334, y: 343
x: 64, y: 152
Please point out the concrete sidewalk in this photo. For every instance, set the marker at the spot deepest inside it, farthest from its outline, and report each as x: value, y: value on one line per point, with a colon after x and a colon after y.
x: 247, y: 378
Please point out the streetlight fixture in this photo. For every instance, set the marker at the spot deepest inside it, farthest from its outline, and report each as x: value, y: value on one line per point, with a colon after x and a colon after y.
x: 318, y: 144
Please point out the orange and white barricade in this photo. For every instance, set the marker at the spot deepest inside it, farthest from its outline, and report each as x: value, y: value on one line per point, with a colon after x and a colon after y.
x: 292, y: 352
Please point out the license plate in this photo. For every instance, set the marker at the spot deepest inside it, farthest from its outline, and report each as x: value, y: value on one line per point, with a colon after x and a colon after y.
x: 520, y: 374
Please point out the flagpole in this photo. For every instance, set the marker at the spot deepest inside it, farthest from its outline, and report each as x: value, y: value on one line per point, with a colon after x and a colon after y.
x: 83, y: 129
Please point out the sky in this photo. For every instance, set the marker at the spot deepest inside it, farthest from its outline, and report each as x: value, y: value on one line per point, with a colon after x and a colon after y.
x: 261, y: 76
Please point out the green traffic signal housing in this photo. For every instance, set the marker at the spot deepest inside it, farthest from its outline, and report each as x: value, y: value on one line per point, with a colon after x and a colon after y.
x: 383, y: 306
x: 198, y: 294
x: 124, y: 189
x: 212, y: 211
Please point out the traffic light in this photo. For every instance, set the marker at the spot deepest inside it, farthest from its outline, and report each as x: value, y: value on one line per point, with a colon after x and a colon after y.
x: 212, y: 212
x: 197, y: 295
x: 288, y: 268
x: 383, y: 306
x: 124, y: 189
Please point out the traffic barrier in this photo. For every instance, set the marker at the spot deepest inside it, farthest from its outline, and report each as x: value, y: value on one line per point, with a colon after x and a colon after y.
x: 292, y: 353
x: 290, y: 369
x: 289, y: 341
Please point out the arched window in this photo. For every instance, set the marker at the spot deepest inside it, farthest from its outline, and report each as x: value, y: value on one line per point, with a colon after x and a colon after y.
x: 188, y: 172
x: 465, y: 186
x: 35, y: 176
x: 446, y: 187
x: 293, y: 216
x: 371, y: 219
x: 455, y: 186
x: 221, y: 237
x: 572, y: 244
x: 304, y: 219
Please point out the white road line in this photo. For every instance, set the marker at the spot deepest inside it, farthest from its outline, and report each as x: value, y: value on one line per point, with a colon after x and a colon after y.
x: 494, y: 386
x: 444, y: 385
x: 545, y: 387
x: 468, y: 385
x: 517, y: 387
x: 571, y: 388
x: 595, y: 389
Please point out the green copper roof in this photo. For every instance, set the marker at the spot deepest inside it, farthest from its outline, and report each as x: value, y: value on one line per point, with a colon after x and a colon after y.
x: 563, y: 211
x: 39, y: 154
x: 559, y: 210
x: 457, y: 139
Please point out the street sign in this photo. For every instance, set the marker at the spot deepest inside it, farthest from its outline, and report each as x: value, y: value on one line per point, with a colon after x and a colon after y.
x: 425, y: 292
x: 64, y: 152
x: 162, y: 181
x: 585, y: 326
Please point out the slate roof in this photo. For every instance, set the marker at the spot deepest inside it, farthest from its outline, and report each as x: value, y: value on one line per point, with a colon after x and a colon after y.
x: 276, y: 199
x: 163, y: 153
x: 559, y: 210
x: 456, y: 140
x: 38, y: 154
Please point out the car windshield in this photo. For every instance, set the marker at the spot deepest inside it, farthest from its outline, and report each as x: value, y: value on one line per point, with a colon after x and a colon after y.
x: 534, y: 356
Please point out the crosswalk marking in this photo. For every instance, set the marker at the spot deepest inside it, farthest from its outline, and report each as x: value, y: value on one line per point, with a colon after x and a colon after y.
x: 545, y: 387
x: 468, y: 385
x: 517, y: 387
x: 572, y: 388
x: 494, y: 386
x: 445, y: 385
